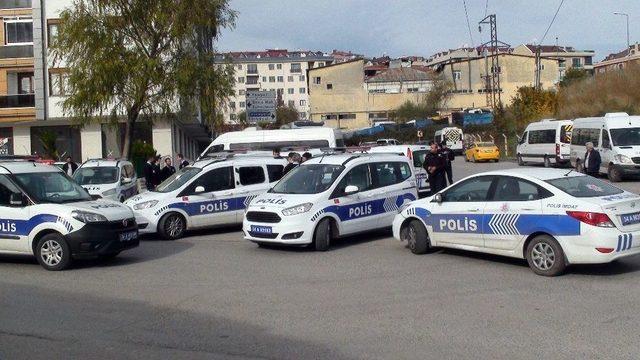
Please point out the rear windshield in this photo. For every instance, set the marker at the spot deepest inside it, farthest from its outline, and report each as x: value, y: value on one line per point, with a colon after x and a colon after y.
x: 584, y: 186
x: 486, y: 144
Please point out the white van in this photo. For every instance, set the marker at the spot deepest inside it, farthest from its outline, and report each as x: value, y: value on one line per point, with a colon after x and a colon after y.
x: 616, y: 136
x: 415, y: 153
x: 329, y: 197
x: 547, y: 142
x: 211, y: 192
x: 46, y: 214
x: 108, y: 178
x: 453, y: 136
x: 251, y: 139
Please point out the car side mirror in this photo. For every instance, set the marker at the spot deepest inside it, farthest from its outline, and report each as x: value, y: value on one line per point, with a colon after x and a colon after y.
x: 16, y: 199
x: 438, y: 198
x: 350, y: 190
x: 126, y: 180
x: 199, y: 189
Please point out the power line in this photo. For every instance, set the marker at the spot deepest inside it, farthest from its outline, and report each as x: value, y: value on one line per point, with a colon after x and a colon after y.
x: 552, y: 21
x: 468, y: 24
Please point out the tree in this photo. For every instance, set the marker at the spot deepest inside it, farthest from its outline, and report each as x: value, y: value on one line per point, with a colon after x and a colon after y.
x: 529, y: 104
x: 48, y: 140
x: 133, y: 58
x: 434, y: 100
x: 286, y: 114
x: 573, y: 75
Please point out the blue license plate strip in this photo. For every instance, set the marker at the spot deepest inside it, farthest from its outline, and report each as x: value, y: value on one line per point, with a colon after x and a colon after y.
x: 261, y: 229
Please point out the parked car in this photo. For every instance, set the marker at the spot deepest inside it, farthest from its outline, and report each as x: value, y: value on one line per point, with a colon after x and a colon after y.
x: 546, y: 142
x: 108, y: 178
x: 482, y: 151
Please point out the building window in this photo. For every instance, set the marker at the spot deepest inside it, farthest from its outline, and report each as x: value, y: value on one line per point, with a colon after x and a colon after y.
x: 279, y: 66
x: 457, y: 75
x: 241, y: 79
x: 290, y: 78
x: 302, y: 90
x: 241, y: 92
x: 303, y: 102
x: 413, y: 89
x: 232, y: 104
x: 18, y: 30
x: 290, y: 91
x: 317, y: 80
x: 495, y: 69
x: 321, y: 63
x: 272, y: 66
x: 296, y: 68
x: 541, y: 67
x: 252, y: 68
x: 329, y: 86
x: 302, y: 78
x: 292, y: 103
x: 561, y: 64
x: 347, y: 116
x: 233, y: 116
x: 239, y: 66
x: 52, y: 32
x: 588, y: 60
x: 272, y: 79
x: 264, y: 79
x: 58, y: 82
x: 575, y: 62
x: 242, y: 104
x: 280, y: 78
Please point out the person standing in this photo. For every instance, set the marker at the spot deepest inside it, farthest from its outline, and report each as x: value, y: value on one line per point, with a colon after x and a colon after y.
x: 592, y: 160
x: 156, y: 171
x: 276, y: 153
x: 448, y: 156
x: 149, y: 170
x: 291, y: 158
x: 182, y: 162
x: 306, y: 156
x: 167, y: 170
x: 434, y: 165
x: 69, y: 166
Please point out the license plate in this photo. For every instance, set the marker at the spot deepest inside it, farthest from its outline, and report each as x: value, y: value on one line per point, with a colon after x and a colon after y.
x: 128, y: 236
x: 628, y: 219
x: 261, y: 229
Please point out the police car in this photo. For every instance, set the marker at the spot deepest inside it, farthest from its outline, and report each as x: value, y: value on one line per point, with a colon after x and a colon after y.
x: 550, y: 217
x: 212, y: 191
x: 44, y: 213
x: 331, y: 196
x: 107, y: 178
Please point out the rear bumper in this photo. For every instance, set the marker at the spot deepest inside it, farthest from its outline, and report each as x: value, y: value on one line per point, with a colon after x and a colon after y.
x: 613, y: 244
x: 94, y: 240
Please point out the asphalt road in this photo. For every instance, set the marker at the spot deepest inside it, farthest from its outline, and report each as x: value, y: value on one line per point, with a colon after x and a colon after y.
x: 214, y: 296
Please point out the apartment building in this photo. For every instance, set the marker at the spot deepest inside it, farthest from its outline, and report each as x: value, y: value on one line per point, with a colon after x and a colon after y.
x: 618, y: 61
x: 567, y: 56
x: 32, y: 88
x: 274, y: 69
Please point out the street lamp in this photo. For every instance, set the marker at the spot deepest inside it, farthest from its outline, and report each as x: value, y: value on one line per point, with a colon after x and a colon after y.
x: 627, y: 16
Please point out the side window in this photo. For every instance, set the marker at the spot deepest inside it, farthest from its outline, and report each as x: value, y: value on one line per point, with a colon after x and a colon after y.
x: 275, y: 172
x: 524, y: 138
x: 575, y: 136
x: 605, y: 139
x: 389, y: 173
x: 405, y: 171
x: 475, y: 189
x: 6, y: 189
x: 250, y: 175
x: 513, y: 189
x: 358, y: 176
x: 214, y: 180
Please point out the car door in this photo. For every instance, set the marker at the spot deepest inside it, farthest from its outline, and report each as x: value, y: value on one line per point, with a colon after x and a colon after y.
x: 356, y: 211
x: 392, y: 181
x: 14, y: 219
x: 458, y: 219
x: 215, y: 205
x: 606, y: 152
x: 250, y: 182
x: 523, y: 145
x: 514, y: 202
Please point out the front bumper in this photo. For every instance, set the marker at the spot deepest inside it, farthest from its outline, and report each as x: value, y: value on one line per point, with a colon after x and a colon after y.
x: 293, y: 230
x: 96, y: 239
x: 147, y: 223
x: 628, y: 169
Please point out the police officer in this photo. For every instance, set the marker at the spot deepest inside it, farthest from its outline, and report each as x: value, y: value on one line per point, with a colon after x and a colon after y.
x: 434, y: 165
x: 448, y: 156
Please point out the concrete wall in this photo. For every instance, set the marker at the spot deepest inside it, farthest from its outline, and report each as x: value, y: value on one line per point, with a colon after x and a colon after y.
x: 91, y: 141
x: 22, y: 140
x: 162, y: 137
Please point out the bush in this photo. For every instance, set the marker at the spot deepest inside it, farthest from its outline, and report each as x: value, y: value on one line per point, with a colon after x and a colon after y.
x: 140, y: 152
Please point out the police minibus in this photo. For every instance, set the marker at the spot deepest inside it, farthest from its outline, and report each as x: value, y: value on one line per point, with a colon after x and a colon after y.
x: 331, y: 196
x: 107, y: 178
x: 213, y: 191
x: 46, y: 214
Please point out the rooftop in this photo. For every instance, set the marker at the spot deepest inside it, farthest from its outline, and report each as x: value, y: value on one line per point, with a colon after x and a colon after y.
x: 555, y: 49
x: 401, y: 74
x: 275, y: 55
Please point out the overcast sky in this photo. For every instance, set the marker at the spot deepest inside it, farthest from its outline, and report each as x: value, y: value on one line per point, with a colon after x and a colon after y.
x: 423, y: 27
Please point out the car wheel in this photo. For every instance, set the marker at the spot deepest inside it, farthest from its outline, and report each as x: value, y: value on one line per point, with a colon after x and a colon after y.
x: 545, y: 256
x: 122, y: 199
x: 497, y: 160
x: 416, y: 237
x: 547, y: 162
x: 172, y: 226
x: 53, y: 252
x: 322, y: 236
x: 614, y: 174
x: 466, y: 158
x: 520, y: 162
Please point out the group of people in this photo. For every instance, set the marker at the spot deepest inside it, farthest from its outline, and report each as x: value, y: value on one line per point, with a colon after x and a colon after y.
x: 154, y: 175
x: 293, y: 158
x: 437, y: 163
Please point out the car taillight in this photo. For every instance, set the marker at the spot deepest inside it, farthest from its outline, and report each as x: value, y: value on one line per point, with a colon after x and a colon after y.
x: 557, y: 149
x: 591, y: 218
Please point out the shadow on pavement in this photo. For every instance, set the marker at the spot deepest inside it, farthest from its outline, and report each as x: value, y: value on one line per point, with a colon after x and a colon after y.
x: 336, y: 244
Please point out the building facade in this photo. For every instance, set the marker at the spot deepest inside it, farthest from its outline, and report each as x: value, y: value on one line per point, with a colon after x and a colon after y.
x: 282, y: 71
x: 33, y: 87
x: 619, y: 61
x: 567, y: 56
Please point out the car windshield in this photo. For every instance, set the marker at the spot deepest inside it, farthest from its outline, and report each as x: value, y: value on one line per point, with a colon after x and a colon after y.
x: 625, y: 136
x: 418, y: 157
x: 175, y: 181
x: 96, y: 175
x: 584, y: 186
x: 51, y: 187
x: 308, y: 179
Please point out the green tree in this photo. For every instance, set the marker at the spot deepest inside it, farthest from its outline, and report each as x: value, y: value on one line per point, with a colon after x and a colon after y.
x: 128, y: 58
x: 573, y: 75
x: 48, y: 140
x: 428, y: 105
x: 286, y: 114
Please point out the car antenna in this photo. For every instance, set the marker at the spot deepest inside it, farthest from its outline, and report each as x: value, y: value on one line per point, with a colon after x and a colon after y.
x: 569, y: 172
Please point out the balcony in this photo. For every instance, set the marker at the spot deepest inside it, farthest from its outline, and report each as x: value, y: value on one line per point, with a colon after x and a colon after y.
x: 16, y: 51
x: 17, y: 101
x: 15, y: 4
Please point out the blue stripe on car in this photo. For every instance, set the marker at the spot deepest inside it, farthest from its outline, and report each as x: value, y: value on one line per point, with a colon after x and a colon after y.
x: 24, y: 227
x: 366, y: 208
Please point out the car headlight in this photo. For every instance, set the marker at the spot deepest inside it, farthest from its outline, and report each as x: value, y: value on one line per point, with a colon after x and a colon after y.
x: 298, y: 209
x: 623, y: 159
x: 87, y: 217
x: 109, y: 192
x: 145, y: 205
x: 404, y: 206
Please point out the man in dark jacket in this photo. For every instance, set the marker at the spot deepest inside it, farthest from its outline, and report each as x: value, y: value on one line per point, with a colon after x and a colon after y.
x: 434, y: 164
x: 167, y: 170
x: 182, y: 162
x: 69, y: 166
x: 150, y: 173
x: 448, y: 156
x: 291, y: 158
x: 592, y: 161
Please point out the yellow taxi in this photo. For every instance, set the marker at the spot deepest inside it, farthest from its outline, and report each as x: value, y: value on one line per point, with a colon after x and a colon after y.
x: 482, y: 151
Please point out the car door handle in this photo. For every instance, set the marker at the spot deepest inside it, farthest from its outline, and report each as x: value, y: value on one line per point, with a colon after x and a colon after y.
x: 473, y: 210
x: 529, y: 209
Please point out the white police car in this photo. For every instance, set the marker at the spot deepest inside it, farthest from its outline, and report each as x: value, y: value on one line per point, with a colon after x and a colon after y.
x: 551, y: 217
x: 107, y: 178
x: 331, y: 196
x: 44, y: 213
x: 210, y: 192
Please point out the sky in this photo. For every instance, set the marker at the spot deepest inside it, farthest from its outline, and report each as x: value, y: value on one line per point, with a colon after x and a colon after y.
x: 424, y: 27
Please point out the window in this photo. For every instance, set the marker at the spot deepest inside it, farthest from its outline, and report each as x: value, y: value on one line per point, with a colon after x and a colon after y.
x: 232, y: 104
x: 317, y: 80
x: 25, y: 83
x: 252, y: 68
x: 127, y: 172
x: 290, y: 91
x: 497, y: 69
x: 605, y: 139
x: 215, y: 180
x: 250, y: 175
x: 58, y: 82
x: 302, y: 90
x: 583, y: 136
x: 233, y: 116
x: 252, y: 80
x: 588, y: 60
x: 272, y: 79
x: 279, y: 66
x: 625, y: 136
x: 513, y: 189
x: 329, y: 86
x: 523, y: 139
x: 242, y: 104
x: 6, y: 189
x: 303, y: 102
x: 475, y: 189
x: 295, y: 68
x: 264, y: 79
x: 389, y: 173
x: 302, y: 78
x: 280, y: 78
x: 542, y: 137
x: 358, y: 176
x: 274, y: 172
x: 292, y: 103
x: 52, y: 33
x: 18, y: 30
x: 576, y: 62
x: 457, y: 75
x: 272, y: 66
x: 347, y: 116
x: 241, y: 92
x: 241, y: 79
x: 584, y: 186
x: 290, y: 78
x: 562, y: 64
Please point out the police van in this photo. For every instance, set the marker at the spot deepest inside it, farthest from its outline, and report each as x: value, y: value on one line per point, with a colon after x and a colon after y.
x: 213, y: 191
x: 415, y: 153
x: 107, y: 179
x: 550, y: 217
x: 46, y: 214
x: 331, y: 196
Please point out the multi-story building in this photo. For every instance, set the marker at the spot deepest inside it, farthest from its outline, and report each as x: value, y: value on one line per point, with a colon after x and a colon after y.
x: 618, y: 61
x: 567, y: 56
x: 280, y: 70
x: 33, y: 86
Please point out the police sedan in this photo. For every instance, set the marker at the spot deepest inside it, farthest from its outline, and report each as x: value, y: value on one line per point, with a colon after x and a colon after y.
x: 550, y: 217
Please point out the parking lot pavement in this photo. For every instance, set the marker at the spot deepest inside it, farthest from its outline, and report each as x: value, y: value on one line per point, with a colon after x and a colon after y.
x: 213, y: 295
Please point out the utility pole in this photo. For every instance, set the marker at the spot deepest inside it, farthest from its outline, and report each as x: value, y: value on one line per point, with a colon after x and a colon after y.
x: 627, y: 16
x: 492, y: 77
x: 537, y: 81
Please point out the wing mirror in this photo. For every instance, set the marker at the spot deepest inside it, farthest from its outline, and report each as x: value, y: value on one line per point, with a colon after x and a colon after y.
x: 16, y: 199
x: 199, y: 189
x: 438, y: 198
x: 126, y: 180
x: 350, y: 190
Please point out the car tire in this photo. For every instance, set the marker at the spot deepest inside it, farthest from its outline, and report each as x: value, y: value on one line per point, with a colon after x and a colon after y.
x: 322, y: 236
x: 547, y: 162
x: 545, y: 256
x: 614, y: 174
x: 520, y: 161
x: 415, y: 234
x: 122, y: 199
x: 466, y: 158
x: 53, y: 252
x: 172, y: 226
x: 497, y: 160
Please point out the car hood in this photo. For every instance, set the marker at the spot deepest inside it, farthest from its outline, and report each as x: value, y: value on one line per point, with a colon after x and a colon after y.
x: 281, y: 201
x: 112, y: 210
